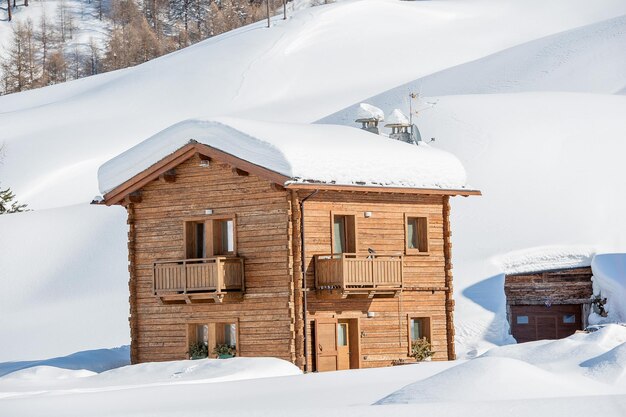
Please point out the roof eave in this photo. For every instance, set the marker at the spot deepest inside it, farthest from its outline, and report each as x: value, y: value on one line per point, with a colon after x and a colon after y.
x: 383, y: 189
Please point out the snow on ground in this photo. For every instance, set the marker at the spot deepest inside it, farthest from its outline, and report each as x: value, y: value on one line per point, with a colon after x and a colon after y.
x: 63, y: 281
x: 581, y: 375
x: 548, y: 161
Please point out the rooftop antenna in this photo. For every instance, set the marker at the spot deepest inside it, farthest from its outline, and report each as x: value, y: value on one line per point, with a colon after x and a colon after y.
x: 415, y: 133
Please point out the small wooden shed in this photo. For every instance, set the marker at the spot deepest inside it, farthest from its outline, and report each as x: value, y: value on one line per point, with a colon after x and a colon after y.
x: 549, y: 304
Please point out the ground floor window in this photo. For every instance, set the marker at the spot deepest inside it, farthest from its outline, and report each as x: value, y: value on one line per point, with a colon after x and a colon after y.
x: 419, y: 337
x: 212, y: 340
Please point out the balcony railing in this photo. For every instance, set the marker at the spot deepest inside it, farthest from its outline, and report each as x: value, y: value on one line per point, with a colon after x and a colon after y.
x: 195, y: 276
x: 349, y: 271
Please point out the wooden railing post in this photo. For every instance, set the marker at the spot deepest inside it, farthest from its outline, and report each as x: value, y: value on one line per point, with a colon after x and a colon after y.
x: 185, y: 277
x: 344, y: 267
x: 243, y: 276
x: 219, y: 263
x: 154, y: 269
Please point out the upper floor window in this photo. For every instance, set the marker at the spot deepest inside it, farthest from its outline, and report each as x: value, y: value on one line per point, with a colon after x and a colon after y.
x: 344, y: 233
x: 210, y: 237
x: 416, y: 234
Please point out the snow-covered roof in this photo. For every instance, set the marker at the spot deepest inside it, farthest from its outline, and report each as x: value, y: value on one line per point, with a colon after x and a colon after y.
x: 367, y: 111
x: 397, y: 118
x: 305, y: 153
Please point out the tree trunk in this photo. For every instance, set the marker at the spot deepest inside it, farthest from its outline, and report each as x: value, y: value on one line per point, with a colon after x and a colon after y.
x: 9, y: 9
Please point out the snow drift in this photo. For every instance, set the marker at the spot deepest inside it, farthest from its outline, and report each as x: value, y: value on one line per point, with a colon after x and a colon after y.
x: 609, y: 281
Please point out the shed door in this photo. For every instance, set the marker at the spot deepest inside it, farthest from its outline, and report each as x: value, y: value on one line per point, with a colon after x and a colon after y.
x: 538, y: 322
x: 326, y: 354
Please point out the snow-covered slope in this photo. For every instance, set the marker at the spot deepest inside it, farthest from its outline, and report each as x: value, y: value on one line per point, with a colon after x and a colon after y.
x: 547, y: 162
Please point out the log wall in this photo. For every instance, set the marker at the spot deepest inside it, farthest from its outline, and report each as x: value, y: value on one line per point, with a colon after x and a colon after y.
x: 269, y: 316
x: 565, y: 286
x: 384, y: 337
x: 266, y: 313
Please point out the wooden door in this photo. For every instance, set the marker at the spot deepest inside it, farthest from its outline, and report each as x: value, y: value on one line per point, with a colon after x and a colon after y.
x: 546, y: 327
x: 343, y: 346
x: 537, y: 322
x: 326, y: 354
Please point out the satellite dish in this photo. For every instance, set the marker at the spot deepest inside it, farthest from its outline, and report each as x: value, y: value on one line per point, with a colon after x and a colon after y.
x: 415, y: 134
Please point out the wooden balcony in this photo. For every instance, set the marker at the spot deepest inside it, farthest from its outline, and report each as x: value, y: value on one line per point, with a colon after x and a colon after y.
x: 351, y: 274
x: 198, y: 280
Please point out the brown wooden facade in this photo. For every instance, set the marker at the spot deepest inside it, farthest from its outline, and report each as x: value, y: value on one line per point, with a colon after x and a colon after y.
x: 354, y: 310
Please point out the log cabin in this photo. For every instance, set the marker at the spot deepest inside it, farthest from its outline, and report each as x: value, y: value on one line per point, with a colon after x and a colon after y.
x: 327, y: 246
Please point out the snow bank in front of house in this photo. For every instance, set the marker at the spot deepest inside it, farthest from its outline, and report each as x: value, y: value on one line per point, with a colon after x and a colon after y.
x: 545, y: 258
x: 303, y: 152
x: 201, y: 370
x: 146, y: 374
x: 582, y: 364
x: 609, y: 281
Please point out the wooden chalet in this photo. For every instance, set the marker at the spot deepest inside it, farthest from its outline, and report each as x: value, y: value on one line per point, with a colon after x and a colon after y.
x: 226, y: 218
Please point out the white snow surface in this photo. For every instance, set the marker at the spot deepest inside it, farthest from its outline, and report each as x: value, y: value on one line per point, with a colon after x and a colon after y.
x: 303, y: 152
x: 581, y: 375
x: 609, y: 281
x: 544, y: 258
x: 367, y: 111
x: 397, y: 118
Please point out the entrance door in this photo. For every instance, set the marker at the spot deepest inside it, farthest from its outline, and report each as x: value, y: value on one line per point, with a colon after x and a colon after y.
x: 343, y: 346
x: 326, y: 353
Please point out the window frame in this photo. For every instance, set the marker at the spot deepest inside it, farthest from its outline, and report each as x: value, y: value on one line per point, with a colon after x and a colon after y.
x: 416, y: 251
x: 428, y: 328
x: 191, y: 330
x: 209, y: 235
x: 354, y: 240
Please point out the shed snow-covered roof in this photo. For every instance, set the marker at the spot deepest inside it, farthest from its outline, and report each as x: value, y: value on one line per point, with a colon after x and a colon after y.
x: 304, y: 153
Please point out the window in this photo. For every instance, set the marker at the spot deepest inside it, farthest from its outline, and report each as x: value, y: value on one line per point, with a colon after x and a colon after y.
x: 416, y: 234
x: 223, y: 237
x: 195, y: 242
x: 344, y: 233
x: 210, y: 237
x: 521, y: 320
x: 419, y: 328
x: 569, y: 318
x: 342, y: 334
x: 206, y: 339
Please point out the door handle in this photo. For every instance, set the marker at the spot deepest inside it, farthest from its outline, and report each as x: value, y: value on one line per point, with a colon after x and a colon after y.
x: 320, y: 347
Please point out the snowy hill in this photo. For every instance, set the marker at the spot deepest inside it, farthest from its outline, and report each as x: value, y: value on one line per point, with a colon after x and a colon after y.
x: 508, y: 78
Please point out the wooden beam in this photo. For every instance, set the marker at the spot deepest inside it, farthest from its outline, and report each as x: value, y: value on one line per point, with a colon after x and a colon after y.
x: 116, y: 195
x: 169, y: 176
x: 380, y: 189
x: 240, y: 172
x: 134, y: 197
